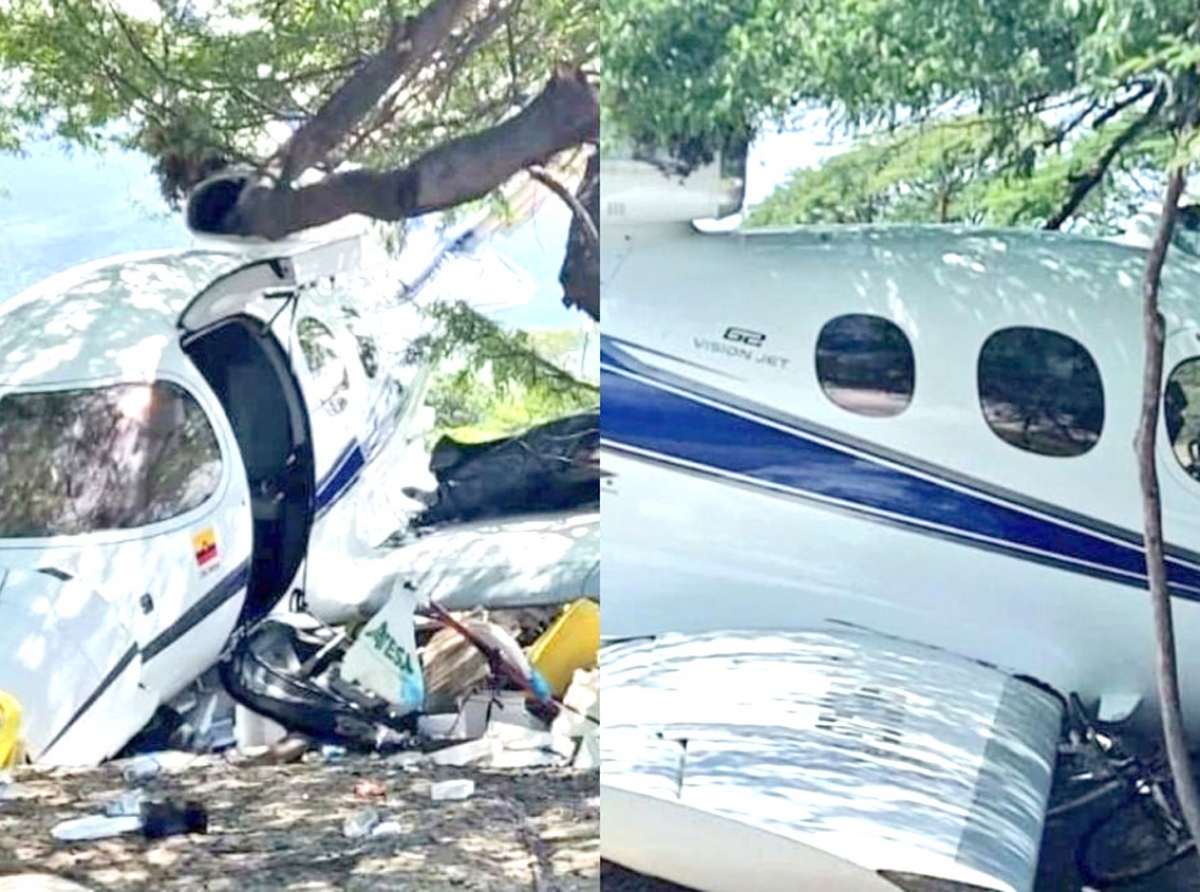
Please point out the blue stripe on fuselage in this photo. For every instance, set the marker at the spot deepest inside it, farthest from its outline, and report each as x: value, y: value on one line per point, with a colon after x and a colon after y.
x: 643, y: 416
x: 337, y: 482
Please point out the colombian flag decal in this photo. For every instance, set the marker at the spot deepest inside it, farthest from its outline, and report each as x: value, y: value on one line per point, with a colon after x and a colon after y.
x: 204, y: 544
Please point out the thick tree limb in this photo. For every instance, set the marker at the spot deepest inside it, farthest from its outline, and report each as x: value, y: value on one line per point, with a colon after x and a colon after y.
x: 565, y: 114
x: 409, y: 48
x: 1160, y: 596
x: 1084, y: 184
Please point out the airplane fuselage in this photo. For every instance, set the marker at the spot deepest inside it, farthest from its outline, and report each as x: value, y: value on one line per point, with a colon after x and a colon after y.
x: 925, y: 432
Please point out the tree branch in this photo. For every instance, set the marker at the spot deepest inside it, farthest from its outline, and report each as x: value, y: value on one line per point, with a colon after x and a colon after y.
x: 1166, y: 669
x: 437, y: 82
x: 551, y: 182
x: 1083, y: 185
x: 408, y: 50
x: 580, y: 274
x: 565, y: 114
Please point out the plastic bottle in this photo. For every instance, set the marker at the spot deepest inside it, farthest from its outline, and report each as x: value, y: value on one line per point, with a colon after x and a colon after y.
x: 452, y: 790
x: 361, y: 822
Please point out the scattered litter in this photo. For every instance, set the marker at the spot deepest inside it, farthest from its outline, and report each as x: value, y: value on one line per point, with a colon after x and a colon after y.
x: 38, y: 882
x: 141, y: 768
x: 130, y: 814
x: 96, y: 827
x: 126, y: 805
x: 463, y: 753
x: 163, y: 819
x: 387, y: 829
x: 9, y: 789
x: 10, y: 728
x: 441, y: 726
x: 452, y: 790
x: 579, y: 721
x: 383, y: 659
x: 369, y: 788
x: 330, y: 752
x: 453, y: 667
x: 360, y: 822
x: 479, y: 711
x: 571, y: 643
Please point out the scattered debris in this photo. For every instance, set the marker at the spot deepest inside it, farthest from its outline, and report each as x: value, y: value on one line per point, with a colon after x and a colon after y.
x: 361, y: 822
x: 154, y: 819
x: 452, y: 790
x: 369, y: 788
x: 387, y: 829
x: 96, y: 827
x: 128, y: 804
x: 10, y: 729
x: 161, y: 819
x: 38, y: 882
x: 571, y: 643
x: 383, y: 659
x: 141, y: 768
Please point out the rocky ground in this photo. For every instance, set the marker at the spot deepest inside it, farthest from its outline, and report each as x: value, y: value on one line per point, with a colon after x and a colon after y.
x: 281, y: 828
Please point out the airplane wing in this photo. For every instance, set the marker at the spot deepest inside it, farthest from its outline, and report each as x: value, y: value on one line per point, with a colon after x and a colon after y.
x: 822, y: 760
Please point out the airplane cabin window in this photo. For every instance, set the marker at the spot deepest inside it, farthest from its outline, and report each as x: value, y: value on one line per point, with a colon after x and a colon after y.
x: 108, y: 458
x: 1041, y: 391
x: 1181, y: 414
x: 328, y: 369
x: 865, y: 365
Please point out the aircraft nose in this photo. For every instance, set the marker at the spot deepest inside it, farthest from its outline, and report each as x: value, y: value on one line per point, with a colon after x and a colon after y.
x: 66, y: 656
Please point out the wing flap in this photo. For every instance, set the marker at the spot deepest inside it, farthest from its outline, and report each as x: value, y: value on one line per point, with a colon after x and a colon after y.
x: 877, y: 753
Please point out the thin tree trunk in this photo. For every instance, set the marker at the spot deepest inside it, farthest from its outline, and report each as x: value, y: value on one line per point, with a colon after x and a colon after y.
x: 1160, y: 597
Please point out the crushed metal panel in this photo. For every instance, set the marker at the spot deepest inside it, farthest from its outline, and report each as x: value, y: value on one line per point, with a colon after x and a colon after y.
x: 883, y: 754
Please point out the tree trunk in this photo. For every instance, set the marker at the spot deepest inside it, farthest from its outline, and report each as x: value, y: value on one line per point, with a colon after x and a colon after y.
x: 1160, y: 596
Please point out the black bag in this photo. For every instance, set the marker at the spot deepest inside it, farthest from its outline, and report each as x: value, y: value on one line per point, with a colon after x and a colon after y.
x: 266, y: 673
x: 547, y: 468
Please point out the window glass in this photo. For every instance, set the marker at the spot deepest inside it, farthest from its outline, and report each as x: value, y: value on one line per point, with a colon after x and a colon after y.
x: 865, y: 364
x: 110, y: 458
x: 330, y: 375
x: 1040, y: 391
x: 1181, y: 414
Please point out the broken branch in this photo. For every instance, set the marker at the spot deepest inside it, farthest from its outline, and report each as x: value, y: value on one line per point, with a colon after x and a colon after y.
x: 551, y: 182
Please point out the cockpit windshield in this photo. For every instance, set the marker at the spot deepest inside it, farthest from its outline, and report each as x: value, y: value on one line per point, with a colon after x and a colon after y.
x: 107, y: 458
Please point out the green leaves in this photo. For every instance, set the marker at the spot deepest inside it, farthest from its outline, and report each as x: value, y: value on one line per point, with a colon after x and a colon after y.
x: 492, y: 382
x: 1009, y: 104
x: 226, y: 84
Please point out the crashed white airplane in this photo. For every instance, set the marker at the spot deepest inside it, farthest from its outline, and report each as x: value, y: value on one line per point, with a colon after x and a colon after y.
x: 870, y: 511
x: 187, y: 437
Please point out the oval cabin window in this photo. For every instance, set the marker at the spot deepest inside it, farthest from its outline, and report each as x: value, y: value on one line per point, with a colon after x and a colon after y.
x: 1181, y: 414
x: 1040, y: 391
x: 330, y: 377
x: 865, y: 365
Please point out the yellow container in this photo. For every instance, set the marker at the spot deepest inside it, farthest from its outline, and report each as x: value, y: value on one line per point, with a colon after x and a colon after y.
x: 10, y: 726
x: 572, y: 642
